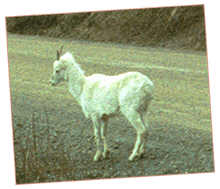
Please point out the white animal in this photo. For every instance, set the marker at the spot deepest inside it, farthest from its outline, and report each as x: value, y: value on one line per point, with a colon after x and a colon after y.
x: 102, y: 97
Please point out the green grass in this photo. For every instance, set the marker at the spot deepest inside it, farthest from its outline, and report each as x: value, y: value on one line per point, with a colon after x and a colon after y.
x: 181, y: 96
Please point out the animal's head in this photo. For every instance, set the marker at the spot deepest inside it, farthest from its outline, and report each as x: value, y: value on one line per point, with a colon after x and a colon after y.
x: 59, y: 70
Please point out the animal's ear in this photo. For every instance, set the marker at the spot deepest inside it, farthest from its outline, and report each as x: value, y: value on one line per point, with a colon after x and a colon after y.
x: 61, y: 49
x: 58, y: 55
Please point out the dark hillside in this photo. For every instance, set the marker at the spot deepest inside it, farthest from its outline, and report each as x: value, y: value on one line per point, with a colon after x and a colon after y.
x: 182, y: 27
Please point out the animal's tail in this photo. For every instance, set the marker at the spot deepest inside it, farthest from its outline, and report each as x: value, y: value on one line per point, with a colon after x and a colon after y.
x: 151, y: 94
x: 149, y: 89
x: 148, y: 95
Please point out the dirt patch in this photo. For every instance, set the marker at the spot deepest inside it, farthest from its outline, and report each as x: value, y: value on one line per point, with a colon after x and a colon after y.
x: 48, y: 149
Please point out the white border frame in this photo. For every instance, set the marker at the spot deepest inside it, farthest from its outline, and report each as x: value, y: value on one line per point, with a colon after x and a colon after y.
x: 20, y: 8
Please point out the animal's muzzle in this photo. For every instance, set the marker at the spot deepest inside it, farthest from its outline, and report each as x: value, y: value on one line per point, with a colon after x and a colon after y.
x: 53, y: 84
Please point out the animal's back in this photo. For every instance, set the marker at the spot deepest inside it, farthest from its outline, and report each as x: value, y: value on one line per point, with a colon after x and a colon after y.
x: 106, y: 94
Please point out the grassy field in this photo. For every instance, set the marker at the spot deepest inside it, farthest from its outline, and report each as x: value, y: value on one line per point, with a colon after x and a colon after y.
x: 48, y: 123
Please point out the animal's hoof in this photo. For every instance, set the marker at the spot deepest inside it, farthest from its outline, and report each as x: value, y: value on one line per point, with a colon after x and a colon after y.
x: 97, y: 156
x: 132, y: 157
x: 96, y: 159
x: 106, y: 154
x: 141, y: 155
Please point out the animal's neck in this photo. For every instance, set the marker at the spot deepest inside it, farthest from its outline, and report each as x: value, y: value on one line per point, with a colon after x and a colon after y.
x: 76, y: 80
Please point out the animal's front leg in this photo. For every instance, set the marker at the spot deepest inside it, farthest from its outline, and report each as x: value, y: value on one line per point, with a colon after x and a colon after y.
x: 96, y: 126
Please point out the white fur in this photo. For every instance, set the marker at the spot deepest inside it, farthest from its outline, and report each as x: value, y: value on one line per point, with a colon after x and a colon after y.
x: 102, y: 97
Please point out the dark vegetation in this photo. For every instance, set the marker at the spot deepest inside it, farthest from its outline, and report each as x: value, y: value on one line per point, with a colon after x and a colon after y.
x: 166, y: 27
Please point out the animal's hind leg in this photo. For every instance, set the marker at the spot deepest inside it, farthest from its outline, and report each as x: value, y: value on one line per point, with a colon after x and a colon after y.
x: 145, y: 136
x: 136, y: 148
x: 135, y: 119
x: 104, y: 123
